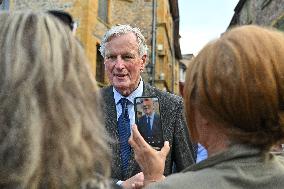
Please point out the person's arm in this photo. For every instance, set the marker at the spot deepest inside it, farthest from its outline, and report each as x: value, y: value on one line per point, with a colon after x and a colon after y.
x: 127, y: 184
x: 151, y: 162
x: 183, y: 151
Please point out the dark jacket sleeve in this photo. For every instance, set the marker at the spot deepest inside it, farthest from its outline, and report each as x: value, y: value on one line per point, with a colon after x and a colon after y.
x: 183, y: 149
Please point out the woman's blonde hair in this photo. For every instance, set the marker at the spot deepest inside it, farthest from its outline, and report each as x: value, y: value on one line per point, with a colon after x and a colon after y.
x: 238, y: 80
x: 51, y: 134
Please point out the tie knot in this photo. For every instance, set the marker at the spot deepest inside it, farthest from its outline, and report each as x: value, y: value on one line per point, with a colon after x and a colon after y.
x: 123, y: 102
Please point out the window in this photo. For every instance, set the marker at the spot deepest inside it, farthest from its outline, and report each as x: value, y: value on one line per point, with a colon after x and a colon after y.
x: 4, y: 4
x: 103, y: 10
x: 100, y: 67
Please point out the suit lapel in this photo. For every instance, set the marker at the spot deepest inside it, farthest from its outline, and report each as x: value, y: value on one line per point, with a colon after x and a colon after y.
x: 147, y: 90
x: 111, y: 127
x: 110, y: 111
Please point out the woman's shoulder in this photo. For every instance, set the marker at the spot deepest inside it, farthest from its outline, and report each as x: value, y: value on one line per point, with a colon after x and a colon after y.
x: 182, y: 180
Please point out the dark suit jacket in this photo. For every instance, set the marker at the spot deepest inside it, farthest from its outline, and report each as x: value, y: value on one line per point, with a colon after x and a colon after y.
x: 156, y: 136
x: 174, y: 130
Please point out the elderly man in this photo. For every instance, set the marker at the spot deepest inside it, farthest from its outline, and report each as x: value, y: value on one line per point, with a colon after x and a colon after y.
x: 125, y: 51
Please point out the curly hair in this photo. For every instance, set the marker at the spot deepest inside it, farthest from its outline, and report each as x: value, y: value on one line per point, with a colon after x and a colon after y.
x: 238, y: 80
x: 51, y: 134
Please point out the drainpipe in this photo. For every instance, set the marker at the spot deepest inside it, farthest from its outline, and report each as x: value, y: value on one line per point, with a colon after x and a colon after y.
x: 173, y: 62
x: 154, y: 23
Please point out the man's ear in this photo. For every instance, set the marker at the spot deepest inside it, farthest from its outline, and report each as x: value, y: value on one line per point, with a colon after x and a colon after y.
x: 143, y: 64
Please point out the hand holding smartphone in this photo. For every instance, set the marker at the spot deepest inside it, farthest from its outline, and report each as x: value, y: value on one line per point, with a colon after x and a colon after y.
x: 148, y: 120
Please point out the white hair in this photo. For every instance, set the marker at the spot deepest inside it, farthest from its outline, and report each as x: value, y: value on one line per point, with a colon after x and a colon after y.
x: 124, y: 29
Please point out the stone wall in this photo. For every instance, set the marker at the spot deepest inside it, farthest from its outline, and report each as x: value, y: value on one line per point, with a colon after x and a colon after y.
x: 84, y: 12
x: 139, y: 13
x: 134, y: 12
x: 41, y: 4
x: 265, y: 13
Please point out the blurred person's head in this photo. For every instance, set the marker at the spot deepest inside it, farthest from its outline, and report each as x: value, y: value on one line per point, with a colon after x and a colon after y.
x: 148, y: 106
x: 51, y: 134
x: 237, y: 83
x: 125, y: 51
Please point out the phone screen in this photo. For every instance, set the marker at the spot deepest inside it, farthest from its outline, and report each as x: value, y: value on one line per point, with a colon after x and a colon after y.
x: 148, y: 120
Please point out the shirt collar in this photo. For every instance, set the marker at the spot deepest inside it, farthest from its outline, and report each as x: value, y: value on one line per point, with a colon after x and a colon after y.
x: 151, y: 116
x: 136, y: 93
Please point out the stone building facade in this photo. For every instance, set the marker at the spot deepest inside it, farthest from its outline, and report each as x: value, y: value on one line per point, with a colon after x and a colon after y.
x: 259, y: 12
x: 94, y: 17
x: 85, y: 13
x: 139, y: 13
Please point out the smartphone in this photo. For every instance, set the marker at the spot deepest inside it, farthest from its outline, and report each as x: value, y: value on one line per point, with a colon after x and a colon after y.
x: 148, y: 120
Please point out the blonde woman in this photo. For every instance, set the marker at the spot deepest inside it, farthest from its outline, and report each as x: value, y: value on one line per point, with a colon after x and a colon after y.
x: 51, y: 135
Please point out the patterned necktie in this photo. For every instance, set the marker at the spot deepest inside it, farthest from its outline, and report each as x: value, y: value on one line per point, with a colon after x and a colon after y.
x: 124, y: 134
x: 149, y: 129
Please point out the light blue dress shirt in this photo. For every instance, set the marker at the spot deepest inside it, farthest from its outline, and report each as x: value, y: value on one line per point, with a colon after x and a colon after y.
x: 151, y: 119
x: 201, y: 153
x: 117, y: 96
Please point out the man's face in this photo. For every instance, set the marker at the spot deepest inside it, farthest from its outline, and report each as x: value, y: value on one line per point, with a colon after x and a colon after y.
x: 123, y: 63
x: 148, y: 107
